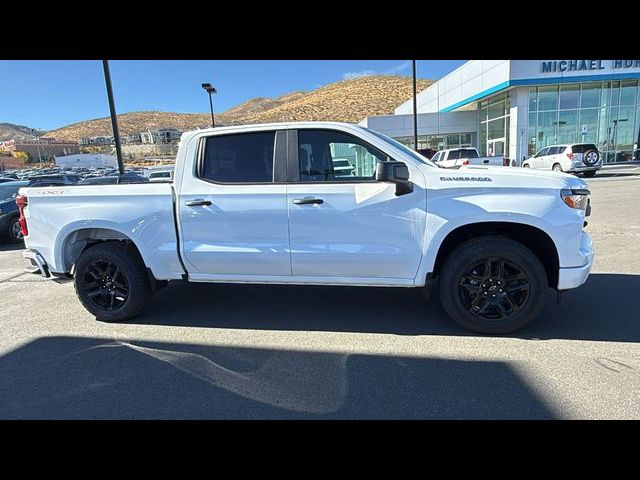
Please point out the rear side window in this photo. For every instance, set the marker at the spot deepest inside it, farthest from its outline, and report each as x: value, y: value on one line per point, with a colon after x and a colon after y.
x: 552, y: 150
x: 543, y: 152
x: 583, y: 148
x: 468, y: 153
x: 239, y: 158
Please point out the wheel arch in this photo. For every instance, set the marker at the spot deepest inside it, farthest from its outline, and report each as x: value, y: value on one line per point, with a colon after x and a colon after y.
x: 76, y: 241
x: 532, y: 237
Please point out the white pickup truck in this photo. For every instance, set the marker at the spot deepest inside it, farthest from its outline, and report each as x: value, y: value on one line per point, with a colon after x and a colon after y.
x: 263, y: 204
x: 458, y: 157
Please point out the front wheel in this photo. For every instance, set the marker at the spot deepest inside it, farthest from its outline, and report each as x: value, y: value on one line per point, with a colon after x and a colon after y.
x: 111, y: 282
x: 526, y: 165
x: 492, y: 285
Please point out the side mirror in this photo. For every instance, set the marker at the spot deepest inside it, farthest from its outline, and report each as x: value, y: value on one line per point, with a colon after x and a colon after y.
x: 395, y: 172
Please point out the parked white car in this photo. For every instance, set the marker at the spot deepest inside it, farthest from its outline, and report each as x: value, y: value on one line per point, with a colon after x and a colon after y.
x: 459, y: 157
x: 574, y: 158
x: 263, y: 204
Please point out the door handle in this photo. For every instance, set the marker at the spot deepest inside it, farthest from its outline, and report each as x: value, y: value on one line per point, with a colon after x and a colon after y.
x: 198, y: 202
x: 308, y: 201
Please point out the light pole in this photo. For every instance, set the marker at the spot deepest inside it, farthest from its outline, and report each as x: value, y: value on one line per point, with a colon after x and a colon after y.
x: 210, y: 90
x: 114, y: 115
x: 415, y: 107
x: 38, y: 147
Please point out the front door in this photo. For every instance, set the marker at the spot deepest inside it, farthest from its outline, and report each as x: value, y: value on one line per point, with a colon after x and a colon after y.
x: 344, y: 225
x: 233, y: 211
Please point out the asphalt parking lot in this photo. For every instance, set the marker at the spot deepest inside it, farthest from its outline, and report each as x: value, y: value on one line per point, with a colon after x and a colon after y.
x: 257, y: 351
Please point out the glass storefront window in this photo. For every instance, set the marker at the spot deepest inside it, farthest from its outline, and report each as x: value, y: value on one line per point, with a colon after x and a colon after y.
x: 453, y: 139
x: 546, y: 128
x: 624, y: 138
x: 482, y: 142
x: 548, y: 98
x: 496, y: 110
x: 628, y: 92
x: 531, y: 138
x: 567, y: 126
x: 589, y: 122
x: 569, y: 95
x: 614, y: 94
x: 533, y: 99
x: 495, y: 129
x: 604, y: 113
x: 590, y: 95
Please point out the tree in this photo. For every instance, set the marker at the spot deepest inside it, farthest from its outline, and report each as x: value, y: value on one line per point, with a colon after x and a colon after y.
x: 21, y: 156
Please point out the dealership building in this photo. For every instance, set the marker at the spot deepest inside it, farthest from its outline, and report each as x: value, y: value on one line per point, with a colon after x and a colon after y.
x: 516, y: 107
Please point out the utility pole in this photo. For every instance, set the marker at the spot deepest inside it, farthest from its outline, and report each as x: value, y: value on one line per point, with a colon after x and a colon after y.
x: 415, y: 107
x: 38, y: 147
x: 114, y: 118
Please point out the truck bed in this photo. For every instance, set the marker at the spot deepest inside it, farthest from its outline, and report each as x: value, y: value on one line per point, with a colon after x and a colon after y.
x: 142, y: 213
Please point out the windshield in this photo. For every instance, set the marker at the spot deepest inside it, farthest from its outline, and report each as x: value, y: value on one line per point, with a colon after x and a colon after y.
x: 402, y: 147
x: 8, y: 192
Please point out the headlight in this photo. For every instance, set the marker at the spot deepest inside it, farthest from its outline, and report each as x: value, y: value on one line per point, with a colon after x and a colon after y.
x: 575, y: 198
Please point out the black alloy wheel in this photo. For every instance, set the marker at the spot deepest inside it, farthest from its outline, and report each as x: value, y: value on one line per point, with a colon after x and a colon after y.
x: 112, y: 281
x: 492, y: 285
x: 106, y: 285
x: 494, y: 289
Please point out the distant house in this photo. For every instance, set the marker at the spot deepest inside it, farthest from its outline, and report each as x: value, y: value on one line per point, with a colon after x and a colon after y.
x: 132, y: 139
x: 96, y: 141
x: 163, y: 135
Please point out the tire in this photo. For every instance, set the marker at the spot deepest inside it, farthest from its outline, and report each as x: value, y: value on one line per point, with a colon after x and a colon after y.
x: 589, y: 173
x: 557, y: 167
x: 116, y: 271
x: 527, y: 298
x: 591, y: 158
x: 14, y: 232
x: 526, y: 165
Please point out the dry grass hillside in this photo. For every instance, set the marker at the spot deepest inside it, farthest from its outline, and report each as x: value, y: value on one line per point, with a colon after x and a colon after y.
x: 344, y: 101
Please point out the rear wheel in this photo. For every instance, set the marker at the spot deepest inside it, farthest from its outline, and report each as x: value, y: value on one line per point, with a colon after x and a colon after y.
x: 492, y: 285
x: 526, y: 165
x: 111, y: 282
x: 14, y: 234
x: 557, y: 167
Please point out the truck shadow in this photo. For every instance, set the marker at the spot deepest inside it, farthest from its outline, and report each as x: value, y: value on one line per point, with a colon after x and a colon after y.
x: 93, y: 378
x: 604, y: 309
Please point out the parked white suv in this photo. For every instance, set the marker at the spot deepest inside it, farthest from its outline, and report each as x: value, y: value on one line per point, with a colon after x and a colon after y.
x: 575, y: 158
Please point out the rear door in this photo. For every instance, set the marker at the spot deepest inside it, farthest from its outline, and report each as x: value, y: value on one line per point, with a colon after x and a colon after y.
x: 347, y: 228
x: 233, y: 211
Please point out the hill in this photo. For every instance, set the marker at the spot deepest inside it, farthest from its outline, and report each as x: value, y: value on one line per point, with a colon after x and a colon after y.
x: 9, y: 131
x: 345, y: 101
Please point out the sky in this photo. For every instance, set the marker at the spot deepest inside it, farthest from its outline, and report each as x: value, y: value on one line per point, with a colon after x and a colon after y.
x: 48, y: 94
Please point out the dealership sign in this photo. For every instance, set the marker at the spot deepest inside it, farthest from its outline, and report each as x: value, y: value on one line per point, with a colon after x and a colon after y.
x: 554, y: 66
